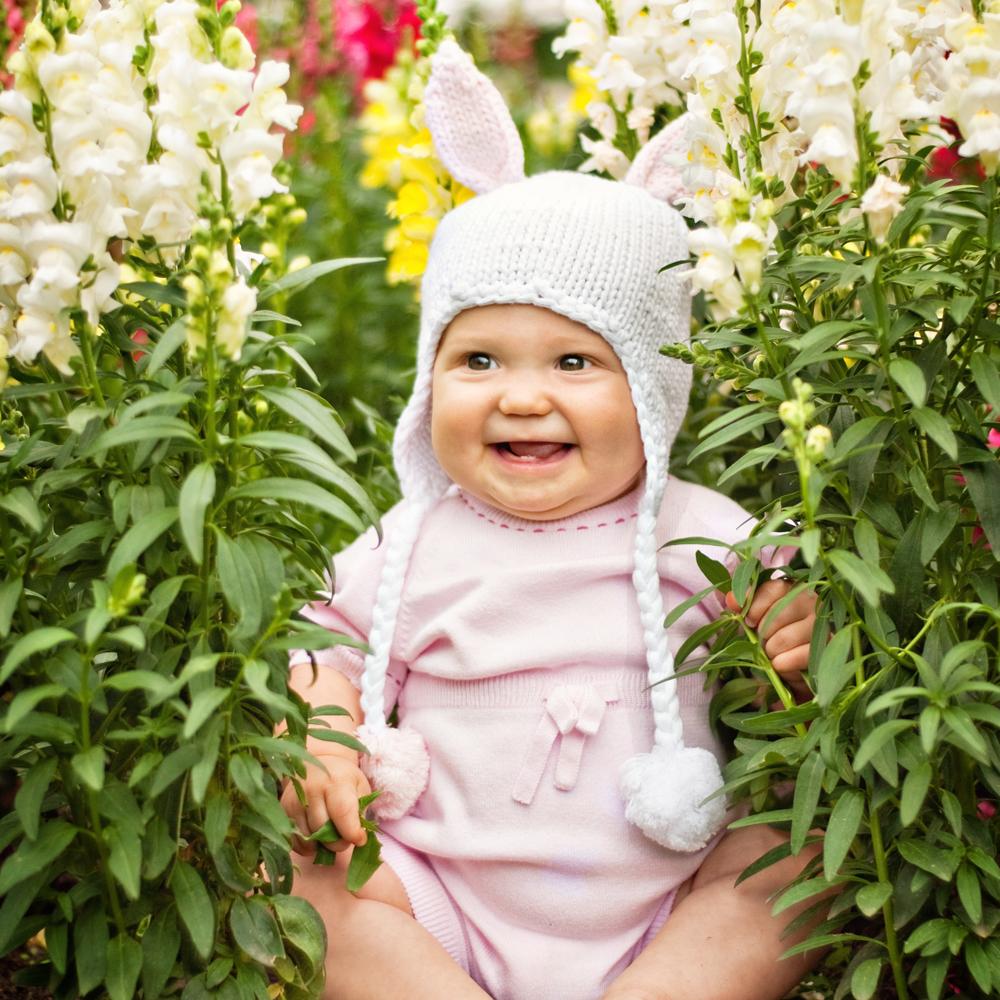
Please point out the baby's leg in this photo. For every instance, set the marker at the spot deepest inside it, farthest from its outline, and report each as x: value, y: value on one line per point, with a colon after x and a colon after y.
x: 376, y: 949
x: 721, y: 940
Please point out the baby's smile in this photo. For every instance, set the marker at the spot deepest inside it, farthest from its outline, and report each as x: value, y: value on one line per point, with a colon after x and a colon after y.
x: 532, y: 452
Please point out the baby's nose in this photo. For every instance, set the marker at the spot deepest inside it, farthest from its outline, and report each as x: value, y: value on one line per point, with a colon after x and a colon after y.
x: 525, y: 395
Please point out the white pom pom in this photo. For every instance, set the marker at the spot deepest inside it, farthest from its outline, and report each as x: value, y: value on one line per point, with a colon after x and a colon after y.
x: 397, y: 765
x: 664, y: 792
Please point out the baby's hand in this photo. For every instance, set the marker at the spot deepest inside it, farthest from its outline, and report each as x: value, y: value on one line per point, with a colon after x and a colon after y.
x: 786, y: 635
x: 331, y: 795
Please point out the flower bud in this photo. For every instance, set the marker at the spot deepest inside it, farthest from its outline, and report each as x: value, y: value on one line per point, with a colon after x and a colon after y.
x: 194, y: 287
x: 38, y: 40
x: 818, y: 440
x: 298, y: 217
x: 261, y: 407
x: 298, y: 263
x: 234, y: 49
x: 270, y: 250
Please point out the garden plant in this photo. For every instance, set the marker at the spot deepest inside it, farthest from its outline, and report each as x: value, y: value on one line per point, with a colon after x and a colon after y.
x: 841, y: 170
x: 163, y: 474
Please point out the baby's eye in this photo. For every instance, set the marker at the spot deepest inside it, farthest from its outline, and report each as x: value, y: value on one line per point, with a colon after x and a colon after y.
x: 573, y: 363
x: 479, y: 362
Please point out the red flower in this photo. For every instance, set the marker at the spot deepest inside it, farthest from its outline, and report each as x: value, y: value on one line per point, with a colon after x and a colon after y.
x: 986, y: 810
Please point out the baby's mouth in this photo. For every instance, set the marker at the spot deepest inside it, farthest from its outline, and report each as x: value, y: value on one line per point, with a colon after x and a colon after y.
x: 532, y: 451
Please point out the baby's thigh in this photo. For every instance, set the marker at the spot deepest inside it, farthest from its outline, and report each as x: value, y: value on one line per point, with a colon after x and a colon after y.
x: 325, y: 886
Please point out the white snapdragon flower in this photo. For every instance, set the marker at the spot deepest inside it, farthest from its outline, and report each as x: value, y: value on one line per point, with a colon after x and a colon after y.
x: 249, y: 156
x: 602, y: 116
x: 269, y: 105
x: 28, y: 188
x: 238, y: 303
x: 881, y: 203
x: 749, y: 245
x: 18, y: 135
x: 59, y: 250
x: 603, y: 157
x: 615, y: 75
x: 828, y: 122
x: 67, y: 78
x: 715, y: 270
x: 977, y: 113
x: 13, y: 262
x: 43, y: 331
x: 833, y: 53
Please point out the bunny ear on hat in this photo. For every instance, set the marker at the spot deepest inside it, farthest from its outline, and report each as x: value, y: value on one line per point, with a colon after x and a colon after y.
x: 474, y: 135
x: 659, y: 165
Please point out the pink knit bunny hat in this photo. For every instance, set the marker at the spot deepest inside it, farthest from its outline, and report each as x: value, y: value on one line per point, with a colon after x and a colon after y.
x: 592, y: 250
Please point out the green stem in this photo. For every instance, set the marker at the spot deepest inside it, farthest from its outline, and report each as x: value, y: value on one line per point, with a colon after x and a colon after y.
x: 888, y: 917
x: 90, y: 366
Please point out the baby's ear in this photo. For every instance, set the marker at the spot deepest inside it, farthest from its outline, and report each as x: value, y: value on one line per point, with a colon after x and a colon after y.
x: 659, y: 165
x: 474, y: 135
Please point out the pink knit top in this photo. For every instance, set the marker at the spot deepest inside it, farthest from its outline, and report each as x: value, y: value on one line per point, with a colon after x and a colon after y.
x: 518, y: 655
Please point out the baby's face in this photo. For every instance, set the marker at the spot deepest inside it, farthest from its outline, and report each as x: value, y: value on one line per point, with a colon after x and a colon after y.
x: 531, y: 413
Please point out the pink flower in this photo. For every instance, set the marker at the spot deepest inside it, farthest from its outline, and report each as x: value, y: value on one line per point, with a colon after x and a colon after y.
x: 993, y: 438
x: 986, y: 809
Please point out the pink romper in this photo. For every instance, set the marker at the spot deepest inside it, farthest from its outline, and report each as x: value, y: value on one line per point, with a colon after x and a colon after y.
x: 518, y: 655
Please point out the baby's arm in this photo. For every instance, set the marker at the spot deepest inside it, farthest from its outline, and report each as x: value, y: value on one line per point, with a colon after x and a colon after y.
x: 786, y: 635
x: 332, y: 789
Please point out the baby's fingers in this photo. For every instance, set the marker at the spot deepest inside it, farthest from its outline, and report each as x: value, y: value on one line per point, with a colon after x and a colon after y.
x: 341, y: 806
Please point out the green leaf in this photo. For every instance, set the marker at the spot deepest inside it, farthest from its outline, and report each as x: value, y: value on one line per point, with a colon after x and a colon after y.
x: 871, y: 898
x: 303, y: 929
x: 90, y: 946
x: 218, y: 814
x: 335, y: 736
x: 10, y: 594
x: 196, y: 495
x: 240, y: 584
x: 939, y: 863
x: 938, y: 525
x: 89, y: 767
x: 841, y: 829
x: 969, y: 891
x: 983, y: 482
x: 910, y: 379
x: 152, y: 428
x: 179, y: 762
x: 365, y: 861
x: 28, y: 803
x: 915, y: 786
x: 126, y: 858
x: 835, y: 666
x: 744, y: 425
x: 33, y: 856
x: 807, y: 789
x: 21, y: 504
x: 25, y: 701
x: 938, y: 430
x: 39, y: 640
x: 203, y: 706
x: 153, y: 290
x: 307, y: 275
x: 978, y: 963
x: 867, y: 579
x: 298, y: 491
x: 315, y: 415
x: 713, y: 571
x: 864, y: 979
x: 312, y: 458
x: 124, y: 965
x: 255, y: 930
x: 685, y: 606
x: 166, y: 346
x: 160, y: 945
x: 138, y: 538
x: 877, y: 738
x: 194, y: 905
x: 984, y: 371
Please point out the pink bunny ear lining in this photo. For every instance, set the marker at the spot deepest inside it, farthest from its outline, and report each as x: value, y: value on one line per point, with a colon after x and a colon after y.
x: 474, y: 135
x: 658, y: 167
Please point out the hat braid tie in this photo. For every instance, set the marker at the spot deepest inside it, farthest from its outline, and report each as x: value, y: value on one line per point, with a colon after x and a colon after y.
x: 397, y: 764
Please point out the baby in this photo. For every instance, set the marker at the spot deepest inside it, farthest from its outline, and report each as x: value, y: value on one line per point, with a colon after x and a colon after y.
x: 548, y: 820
